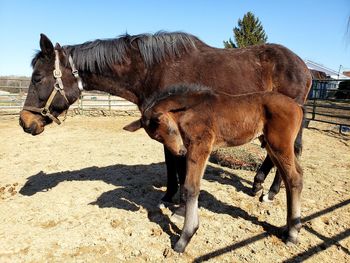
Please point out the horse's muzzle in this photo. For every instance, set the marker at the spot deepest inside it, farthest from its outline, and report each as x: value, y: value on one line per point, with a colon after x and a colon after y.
x: 31, y: 123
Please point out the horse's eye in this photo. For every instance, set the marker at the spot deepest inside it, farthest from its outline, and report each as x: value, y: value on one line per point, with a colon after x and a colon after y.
x: 37, y: 78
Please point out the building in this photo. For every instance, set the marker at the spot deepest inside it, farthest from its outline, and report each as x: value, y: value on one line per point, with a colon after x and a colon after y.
x: 330, y: 73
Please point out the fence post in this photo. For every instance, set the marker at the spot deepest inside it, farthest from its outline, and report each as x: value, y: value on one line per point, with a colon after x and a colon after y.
x: 80, y: 104
x: 313, y: 109
x: 109, y: 103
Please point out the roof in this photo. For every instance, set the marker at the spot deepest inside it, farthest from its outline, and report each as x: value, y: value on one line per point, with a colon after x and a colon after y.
x: 330, y: 72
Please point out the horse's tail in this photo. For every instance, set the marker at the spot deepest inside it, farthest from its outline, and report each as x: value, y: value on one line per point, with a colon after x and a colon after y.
x: 298, y: 144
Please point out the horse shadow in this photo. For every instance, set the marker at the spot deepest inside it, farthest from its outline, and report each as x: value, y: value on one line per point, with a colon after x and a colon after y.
x: 140, y: 186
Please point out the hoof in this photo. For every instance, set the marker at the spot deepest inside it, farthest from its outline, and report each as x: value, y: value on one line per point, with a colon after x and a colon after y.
x: 178, y: 215
x: 181, y: 211
x: 179, y: 247
x: 265, y: 198
x: 256, y: 189
x: 163, y: 204
x: 288, y: 239
x: 291, y: 241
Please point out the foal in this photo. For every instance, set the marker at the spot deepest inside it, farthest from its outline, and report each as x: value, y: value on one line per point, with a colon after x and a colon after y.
x: 190, y: 120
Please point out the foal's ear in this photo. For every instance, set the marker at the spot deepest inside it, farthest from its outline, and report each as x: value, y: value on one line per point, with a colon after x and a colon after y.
x: 134, y: 126
x: 46, y: 45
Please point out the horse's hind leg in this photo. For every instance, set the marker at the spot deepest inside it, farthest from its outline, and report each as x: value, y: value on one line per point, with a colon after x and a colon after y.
x: 260, y: 176
x: 276, y: 184
x: 274, y: 189
x: 292, y: 176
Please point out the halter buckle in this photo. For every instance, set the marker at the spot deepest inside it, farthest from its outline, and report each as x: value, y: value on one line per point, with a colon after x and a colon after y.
x: 44, y: 112
x: 57, y: 73
x: 75, y: 73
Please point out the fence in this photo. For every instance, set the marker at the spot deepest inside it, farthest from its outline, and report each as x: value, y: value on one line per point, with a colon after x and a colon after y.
x: 329, y: 102
x: 14, y: 91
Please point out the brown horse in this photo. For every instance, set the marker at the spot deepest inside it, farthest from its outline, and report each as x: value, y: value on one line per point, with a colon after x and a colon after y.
x: 134, y: 67
x: 191, y: 120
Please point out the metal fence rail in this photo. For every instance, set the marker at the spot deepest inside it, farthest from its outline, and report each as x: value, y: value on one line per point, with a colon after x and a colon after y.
x: 328, y: 101
x: 12, y: 99
x: 329, y: 104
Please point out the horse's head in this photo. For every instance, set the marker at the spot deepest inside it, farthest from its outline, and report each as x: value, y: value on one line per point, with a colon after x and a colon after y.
x: 54, y: 86
x: 161, y: 127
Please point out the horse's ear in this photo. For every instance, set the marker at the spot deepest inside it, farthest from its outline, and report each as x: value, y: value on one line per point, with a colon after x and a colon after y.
x: 58, y: 46
x: 134, y: 126
x: 46, y: 45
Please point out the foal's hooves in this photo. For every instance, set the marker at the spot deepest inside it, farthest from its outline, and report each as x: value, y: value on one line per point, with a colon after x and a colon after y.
x: 291, y: 241
x: 179, y: 247
x: 288, y: 239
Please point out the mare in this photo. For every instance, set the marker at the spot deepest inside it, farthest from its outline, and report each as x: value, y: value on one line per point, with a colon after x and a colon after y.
x: 190, y: 120
x: 134, y: 67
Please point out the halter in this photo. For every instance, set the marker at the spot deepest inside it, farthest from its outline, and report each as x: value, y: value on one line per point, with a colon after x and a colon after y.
x: 57, y: 87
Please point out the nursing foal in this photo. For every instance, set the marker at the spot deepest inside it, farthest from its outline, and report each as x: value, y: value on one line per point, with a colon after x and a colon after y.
x: 190, y: 120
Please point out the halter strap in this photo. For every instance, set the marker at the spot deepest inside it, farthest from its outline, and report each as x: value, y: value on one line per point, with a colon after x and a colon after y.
x: 75, y: 73
x: 58, y: 87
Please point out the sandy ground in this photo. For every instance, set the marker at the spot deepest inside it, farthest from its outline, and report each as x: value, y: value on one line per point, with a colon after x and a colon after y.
x: 87, y: 191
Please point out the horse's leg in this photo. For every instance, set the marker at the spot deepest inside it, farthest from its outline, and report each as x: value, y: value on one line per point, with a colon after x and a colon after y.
x: 172, y: 184
x: 274, y: 189
x: 260, y: 176
x: 196, y: 161
x: 276, y: 184
x: 181, y: 171
x: 293, y: 180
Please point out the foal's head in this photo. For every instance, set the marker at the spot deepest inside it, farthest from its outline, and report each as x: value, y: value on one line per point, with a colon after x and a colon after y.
x: 161, y: 127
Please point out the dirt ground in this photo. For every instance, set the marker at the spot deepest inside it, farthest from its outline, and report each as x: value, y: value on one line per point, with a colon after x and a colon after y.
x: 87, y: 191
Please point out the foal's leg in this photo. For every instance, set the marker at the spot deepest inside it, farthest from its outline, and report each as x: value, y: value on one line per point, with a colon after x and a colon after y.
x: 196, y: 160
x: 293, y: 180
x: 172, y: 184
x: 276, y: 184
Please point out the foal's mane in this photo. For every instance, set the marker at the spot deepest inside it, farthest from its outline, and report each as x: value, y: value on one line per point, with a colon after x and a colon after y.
x: 99, y: 55
x: 182, y: 90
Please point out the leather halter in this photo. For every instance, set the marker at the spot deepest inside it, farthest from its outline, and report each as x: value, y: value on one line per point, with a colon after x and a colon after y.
x: 58, y: 87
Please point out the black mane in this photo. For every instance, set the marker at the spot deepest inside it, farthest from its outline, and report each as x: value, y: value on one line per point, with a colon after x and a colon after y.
x: 99, y: 55
x: 175, y: 90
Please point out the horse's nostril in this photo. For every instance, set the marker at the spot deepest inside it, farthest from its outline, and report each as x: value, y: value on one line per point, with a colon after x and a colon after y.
x: 27, y: 130
x: 21, y: 122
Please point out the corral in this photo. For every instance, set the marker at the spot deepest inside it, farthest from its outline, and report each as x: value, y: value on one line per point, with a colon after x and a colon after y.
x: 88, y: 191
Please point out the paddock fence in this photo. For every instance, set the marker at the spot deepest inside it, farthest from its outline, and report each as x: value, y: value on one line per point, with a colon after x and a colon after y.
x: 14, y: 91
x: 328, y: 101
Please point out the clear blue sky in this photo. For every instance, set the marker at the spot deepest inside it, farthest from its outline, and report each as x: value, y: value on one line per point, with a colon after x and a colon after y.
x: 314, y: 29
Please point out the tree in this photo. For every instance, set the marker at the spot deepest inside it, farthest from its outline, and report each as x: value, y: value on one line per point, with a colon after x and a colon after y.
x: 249, y: 32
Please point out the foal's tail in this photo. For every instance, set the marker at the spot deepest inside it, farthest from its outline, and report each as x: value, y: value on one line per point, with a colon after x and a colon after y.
x: 298, y: 144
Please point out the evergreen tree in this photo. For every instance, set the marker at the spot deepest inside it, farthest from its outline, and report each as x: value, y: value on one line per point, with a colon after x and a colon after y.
x: 248, y: 32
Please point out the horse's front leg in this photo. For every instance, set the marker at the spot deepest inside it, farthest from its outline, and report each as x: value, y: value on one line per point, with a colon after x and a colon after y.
x: 196, y: 160
x: 172, y: 183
